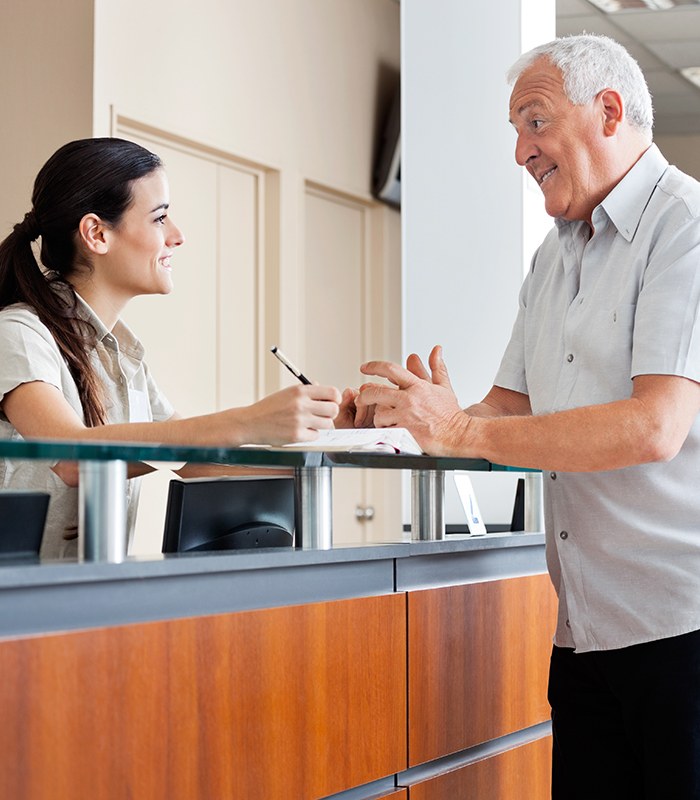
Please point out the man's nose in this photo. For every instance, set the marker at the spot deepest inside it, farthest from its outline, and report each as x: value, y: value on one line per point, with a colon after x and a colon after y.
x: 525, y: 149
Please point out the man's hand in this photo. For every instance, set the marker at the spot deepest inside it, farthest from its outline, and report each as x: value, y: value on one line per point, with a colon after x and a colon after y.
x: 422, y: 401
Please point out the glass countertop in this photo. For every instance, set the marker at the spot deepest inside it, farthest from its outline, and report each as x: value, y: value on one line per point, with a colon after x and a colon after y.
x: 64, y: 450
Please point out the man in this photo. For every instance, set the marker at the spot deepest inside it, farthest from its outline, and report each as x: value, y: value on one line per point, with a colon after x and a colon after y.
x: 599, y: 387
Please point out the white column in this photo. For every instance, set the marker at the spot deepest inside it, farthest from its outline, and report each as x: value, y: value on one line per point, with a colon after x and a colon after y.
x: 463, y: 197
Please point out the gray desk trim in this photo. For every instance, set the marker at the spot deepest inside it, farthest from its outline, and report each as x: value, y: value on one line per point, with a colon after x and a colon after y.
x: 74, y: 606
x: 45, y: 598
x: 370, y: 791
x: 445, y: 563
x: 464, y: 758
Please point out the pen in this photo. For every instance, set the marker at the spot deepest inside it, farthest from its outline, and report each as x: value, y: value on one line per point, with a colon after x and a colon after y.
x: 287, y: 363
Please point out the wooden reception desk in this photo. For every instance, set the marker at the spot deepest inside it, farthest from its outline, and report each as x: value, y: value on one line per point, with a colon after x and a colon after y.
x: 410, y: 671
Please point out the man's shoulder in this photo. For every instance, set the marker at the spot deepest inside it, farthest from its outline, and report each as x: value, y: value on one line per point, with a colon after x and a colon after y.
x: 678, y: 186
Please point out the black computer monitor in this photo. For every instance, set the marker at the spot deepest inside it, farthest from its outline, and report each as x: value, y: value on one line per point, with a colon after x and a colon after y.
x: 22, y: 518
x: 229, y: 514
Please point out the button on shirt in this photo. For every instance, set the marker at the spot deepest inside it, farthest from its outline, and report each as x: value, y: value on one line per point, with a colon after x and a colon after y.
x: 623, y: 546
x: 29, y: 353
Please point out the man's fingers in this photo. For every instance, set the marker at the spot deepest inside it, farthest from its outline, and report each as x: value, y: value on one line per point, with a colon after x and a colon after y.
x: 438, y: 368
x: 392, y: 372
x: 373, y: 394
x: 415, y: 365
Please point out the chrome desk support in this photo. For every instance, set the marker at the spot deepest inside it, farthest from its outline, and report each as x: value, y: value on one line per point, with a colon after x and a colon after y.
x: 534, y: 505
x: 427, y: 504
x: 313, y: 501
x: 102, y: 510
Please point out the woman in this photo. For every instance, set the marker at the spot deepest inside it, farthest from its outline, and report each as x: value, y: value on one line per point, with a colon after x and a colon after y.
x: 69, y: 368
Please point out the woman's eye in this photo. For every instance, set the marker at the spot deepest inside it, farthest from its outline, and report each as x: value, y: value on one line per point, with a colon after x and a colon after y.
x: 537, y: 123
x: 161, y: 220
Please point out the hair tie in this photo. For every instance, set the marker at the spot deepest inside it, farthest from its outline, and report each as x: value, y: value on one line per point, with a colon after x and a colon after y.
x: 29, y: 227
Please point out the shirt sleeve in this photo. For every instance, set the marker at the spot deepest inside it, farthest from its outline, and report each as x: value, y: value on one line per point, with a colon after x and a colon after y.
x: 28, y: 352
x: 511, y: 373
x: 666, y: 338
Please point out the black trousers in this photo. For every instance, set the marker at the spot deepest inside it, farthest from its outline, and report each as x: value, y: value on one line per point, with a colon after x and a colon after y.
x: 626, y: 722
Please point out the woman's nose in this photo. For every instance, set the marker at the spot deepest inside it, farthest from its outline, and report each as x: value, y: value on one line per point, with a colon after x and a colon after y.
x: 175, y: 236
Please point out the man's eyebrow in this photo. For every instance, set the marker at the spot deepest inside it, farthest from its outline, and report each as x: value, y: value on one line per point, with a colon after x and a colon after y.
x: 163, y: 206
x: 523, y: 108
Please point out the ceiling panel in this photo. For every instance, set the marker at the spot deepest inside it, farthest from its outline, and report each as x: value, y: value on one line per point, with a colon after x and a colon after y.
x: 677, y: 54
x: 666, y: 82
x: 590, y: 23
x: 566, y: 8
x: 682, y: 24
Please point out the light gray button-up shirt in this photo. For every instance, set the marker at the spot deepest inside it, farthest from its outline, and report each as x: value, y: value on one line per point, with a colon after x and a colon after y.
x: 623, y: 546
x: 28, y: 352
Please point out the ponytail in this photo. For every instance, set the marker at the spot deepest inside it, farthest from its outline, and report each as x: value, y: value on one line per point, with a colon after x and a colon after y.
x: 55, y: 303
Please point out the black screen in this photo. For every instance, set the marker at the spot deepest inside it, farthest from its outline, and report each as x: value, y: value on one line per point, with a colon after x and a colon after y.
x: 22, y: 518
x: 229, y: 514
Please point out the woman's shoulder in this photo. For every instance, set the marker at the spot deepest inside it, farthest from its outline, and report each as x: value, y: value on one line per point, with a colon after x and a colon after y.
x: 20, y: 316
x: 19, y: 312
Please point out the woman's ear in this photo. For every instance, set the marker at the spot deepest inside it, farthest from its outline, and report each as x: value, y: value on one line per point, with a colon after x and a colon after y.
x: 93, y: 234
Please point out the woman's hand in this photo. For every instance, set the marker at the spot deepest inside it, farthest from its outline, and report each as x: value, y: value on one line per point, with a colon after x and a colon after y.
x: 295, y: 414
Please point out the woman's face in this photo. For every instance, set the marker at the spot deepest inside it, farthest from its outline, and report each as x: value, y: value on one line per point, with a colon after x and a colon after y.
x: 141, y: 245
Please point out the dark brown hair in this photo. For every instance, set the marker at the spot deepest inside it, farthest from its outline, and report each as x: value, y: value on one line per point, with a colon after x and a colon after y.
x: 82, y: 177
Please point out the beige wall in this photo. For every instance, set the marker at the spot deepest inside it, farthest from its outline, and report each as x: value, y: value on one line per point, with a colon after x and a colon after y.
x: 297, y: 87
x: 282, y: 82
x: 46, y: 55
x: 683, y: 151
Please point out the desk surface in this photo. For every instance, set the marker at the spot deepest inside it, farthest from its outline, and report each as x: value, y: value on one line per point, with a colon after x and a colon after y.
x: 247, y: 456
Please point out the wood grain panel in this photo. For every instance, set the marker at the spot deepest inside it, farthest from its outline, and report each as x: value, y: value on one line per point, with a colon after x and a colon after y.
x: 523, y: 772
x: 297, y: 702
x: 400, y: 794
x: 478, y: 662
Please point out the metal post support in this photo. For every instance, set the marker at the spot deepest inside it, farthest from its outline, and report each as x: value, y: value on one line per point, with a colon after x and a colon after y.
x: 534, y: 503
x: 102, y: 510
x: 427, y: 504
x: 313, y: 502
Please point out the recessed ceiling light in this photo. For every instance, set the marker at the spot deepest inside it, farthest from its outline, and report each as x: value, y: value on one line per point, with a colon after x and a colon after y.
x: 616, y: 6
x: 692, y: 74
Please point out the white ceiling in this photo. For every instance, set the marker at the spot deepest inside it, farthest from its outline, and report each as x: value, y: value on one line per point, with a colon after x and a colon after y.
x: 662, y: 42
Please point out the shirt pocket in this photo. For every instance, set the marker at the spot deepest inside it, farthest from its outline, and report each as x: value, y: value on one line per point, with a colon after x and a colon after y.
x: 605, y: 346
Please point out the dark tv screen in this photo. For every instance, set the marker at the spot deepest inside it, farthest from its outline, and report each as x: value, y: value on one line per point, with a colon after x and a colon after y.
x: 229, y: 514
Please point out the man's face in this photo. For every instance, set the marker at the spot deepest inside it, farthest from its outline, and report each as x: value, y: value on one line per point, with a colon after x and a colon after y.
x: 560, y: 144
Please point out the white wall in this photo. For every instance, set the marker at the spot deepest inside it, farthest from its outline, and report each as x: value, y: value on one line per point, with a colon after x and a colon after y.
x: 463, y: 195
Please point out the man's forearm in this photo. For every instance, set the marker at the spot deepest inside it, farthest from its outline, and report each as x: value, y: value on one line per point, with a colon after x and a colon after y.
x: 592, y: 438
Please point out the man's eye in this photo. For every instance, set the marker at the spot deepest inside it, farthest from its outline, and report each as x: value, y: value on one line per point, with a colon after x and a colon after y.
x: 537, y: 123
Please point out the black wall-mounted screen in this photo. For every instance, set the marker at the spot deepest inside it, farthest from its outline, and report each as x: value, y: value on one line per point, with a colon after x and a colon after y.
x: 229, y: 514
x: 386, y: 180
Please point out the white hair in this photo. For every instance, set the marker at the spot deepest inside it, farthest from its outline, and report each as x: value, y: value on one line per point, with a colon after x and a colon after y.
x: 590, y: 63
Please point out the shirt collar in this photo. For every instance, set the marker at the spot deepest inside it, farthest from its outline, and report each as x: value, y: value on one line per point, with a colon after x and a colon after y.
x: 626, y: 202
x: 120, y: 337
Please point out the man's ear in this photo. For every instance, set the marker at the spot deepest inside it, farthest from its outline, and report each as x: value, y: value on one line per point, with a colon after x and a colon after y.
x: 613, y: 110
x: 93, y: 232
